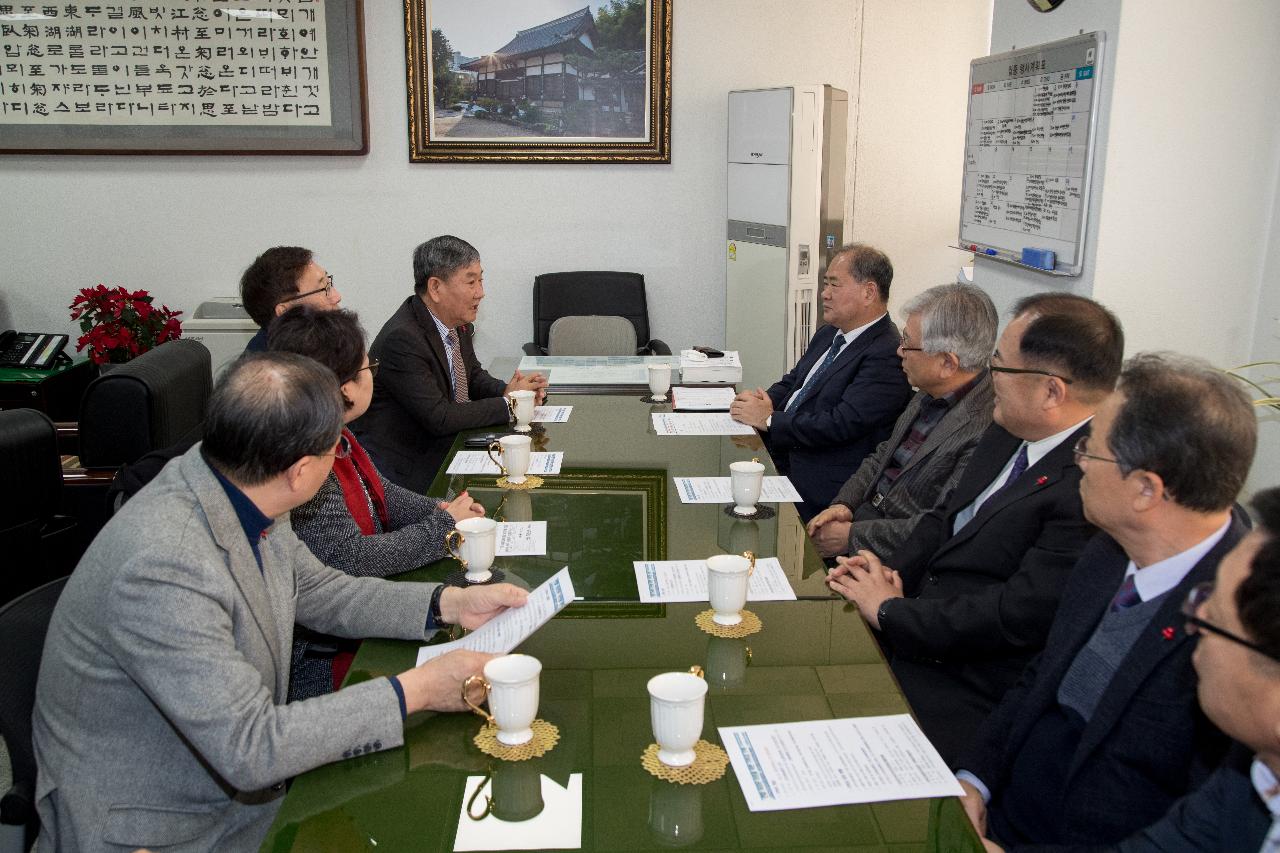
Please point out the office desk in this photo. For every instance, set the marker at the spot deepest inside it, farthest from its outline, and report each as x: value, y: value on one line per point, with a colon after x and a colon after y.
x: 614, y: 503
x: 56, y: 391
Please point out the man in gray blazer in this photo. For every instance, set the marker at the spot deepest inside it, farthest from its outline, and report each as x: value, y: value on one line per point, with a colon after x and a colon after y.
x: 946, y: 343
x: 160, y: 717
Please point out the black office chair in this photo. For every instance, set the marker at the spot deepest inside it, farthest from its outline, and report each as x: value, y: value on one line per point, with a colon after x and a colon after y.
x: 603, y: 293
x: 37, y: 542
x: 23, y: 625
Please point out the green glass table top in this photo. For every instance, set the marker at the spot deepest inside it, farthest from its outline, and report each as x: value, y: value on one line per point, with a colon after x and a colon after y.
x: 615, y: 502
x: 812, y: 660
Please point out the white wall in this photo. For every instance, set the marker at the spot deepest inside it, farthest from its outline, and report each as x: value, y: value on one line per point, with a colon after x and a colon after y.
x: 185, y: 228
x: 909, y: 123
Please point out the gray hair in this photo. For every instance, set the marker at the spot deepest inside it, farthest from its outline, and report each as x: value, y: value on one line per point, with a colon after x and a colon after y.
x: 1189, y: 423
x: 957, y: 318
x: 440, y: 256
x: 267, y: 411
x: 867, y: 263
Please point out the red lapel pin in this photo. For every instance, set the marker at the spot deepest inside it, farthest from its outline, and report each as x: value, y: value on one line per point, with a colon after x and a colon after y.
x: 1167, y: 632
x: 1041, y: 480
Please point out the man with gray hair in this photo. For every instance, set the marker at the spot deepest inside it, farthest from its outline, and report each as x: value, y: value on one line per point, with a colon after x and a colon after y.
x: 160, y: 716
x: 1102, y: 734
x: 429, y: 384
x: 946, y: 344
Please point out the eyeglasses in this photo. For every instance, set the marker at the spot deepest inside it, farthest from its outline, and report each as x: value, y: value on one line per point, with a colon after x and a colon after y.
x: 326, y: 290
x: 340, y: 450
x: 1198, y: 595
x: 1081, y: 451
x: 903, y: 345
x: 372, y: 367
x: 996, y: 368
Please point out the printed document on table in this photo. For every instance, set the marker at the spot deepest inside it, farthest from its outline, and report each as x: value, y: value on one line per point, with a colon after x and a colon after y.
x: 478, y: 462
x: 512, y: 627
x: 718, y: 490
x: 836, y: 762
x: 687, y: 399
x: 551, y: 414
x: 686, y: 580
x: 521, y: 538
x: 695, y: 423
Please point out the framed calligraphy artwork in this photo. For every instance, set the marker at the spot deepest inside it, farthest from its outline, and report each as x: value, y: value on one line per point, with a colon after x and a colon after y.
x: 554, y: 81
x: 183, y: 77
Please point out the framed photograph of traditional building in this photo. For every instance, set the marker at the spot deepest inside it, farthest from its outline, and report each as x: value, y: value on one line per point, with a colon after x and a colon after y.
x: 539, y: 80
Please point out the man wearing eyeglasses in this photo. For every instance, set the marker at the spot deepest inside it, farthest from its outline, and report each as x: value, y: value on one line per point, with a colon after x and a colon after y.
x: 430, y: 384
x: 279, y: 279
x: 1102, y: 732
x: 979, y: 577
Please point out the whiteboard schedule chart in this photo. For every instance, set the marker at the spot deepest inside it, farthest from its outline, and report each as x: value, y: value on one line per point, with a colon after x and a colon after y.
x: 1029, y: 144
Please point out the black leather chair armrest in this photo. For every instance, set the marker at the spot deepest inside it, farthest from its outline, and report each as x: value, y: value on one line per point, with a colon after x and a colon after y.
x: 657, y: 347
x: 17, y: 807
x: 533, y: 349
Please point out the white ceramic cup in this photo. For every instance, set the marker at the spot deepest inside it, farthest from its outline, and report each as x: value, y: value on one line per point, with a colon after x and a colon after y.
x: 473, y: 542
x: 675, y: 707
x: 746, y: 478
x: 727, y: 577
x: 521, y: 404
x: 511, y: 683
x: 659, y: 381
x: 515, y: 451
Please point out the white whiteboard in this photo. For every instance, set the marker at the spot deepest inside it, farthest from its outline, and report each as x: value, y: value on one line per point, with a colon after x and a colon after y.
x: 1029, y: 150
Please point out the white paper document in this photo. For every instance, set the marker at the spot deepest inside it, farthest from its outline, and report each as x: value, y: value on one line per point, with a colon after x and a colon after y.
x: 551, y: 414
x: 686, y: 580
x: 696, y: 423
x: 688, y: 399
x: 522, y: 538
x: 478, y: 462
x: 512, y: 627
x: 836, y: 762
x: 717, y: 490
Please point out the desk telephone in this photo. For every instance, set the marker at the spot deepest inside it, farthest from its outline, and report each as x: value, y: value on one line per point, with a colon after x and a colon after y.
x: 32, y: 350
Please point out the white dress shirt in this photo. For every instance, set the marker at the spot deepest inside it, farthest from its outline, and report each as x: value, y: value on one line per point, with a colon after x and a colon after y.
x: 1268, y: 788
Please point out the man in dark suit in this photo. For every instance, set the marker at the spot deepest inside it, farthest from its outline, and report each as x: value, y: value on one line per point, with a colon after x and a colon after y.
x: 277, y: 280
x: 1102, y: 733
x: 429, y: 384
x: 946, y: 344
x: 1237, y: 661
x: 980, y: 576
x: 841, y: 399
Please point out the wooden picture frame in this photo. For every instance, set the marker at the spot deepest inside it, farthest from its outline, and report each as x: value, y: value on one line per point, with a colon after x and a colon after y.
x: 138, y: 72
x: 557, y: 91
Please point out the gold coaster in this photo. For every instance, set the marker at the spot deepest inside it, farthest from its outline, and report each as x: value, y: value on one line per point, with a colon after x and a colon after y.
x: 531, y: 481
x: 545, y: 737
x: 749, y: 625
x: 708, y: 765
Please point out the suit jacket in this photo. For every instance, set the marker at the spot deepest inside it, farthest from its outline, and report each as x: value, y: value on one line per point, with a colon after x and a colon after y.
x: 833, y: 429
x: 160, y: 718
x: 926, y: 480
x: 1147, y: 742
x: 979, y: 603
x: 412, y: 419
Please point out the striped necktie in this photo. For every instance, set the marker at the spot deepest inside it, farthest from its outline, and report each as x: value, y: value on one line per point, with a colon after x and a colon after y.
x: 461, y: 394
x: 1127, y: 596
x: 837, y: 344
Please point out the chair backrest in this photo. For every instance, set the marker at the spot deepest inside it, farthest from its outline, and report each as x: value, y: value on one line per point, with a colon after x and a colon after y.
x: 154, y: 401
x: 23, y: 625
x: 602, y: 292
x: 30, y: 468
x: 593, y: 335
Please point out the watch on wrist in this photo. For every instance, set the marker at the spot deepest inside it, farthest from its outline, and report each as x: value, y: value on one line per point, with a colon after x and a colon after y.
x: 434, y: 619
x: 768, y: 422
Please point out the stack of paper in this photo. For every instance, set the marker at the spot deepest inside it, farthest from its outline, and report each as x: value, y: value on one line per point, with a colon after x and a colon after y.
x: 701, y: 399
x: 696, y: 367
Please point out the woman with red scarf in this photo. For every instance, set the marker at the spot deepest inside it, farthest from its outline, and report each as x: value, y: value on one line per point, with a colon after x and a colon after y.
x: 359, y: 522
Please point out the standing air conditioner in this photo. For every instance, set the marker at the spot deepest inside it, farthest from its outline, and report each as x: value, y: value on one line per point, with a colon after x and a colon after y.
x: 786, y: 181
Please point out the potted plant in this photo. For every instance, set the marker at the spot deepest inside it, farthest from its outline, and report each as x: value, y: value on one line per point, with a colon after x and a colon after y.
x: 119, y: 325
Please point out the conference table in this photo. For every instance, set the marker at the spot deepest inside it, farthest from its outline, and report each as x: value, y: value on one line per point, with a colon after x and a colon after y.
x: 614, y: 502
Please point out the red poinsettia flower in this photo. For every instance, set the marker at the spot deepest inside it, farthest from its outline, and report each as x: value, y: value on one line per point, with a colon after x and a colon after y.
x: 119, y: 324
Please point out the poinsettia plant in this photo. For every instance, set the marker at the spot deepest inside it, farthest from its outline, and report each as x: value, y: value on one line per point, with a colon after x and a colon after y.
x: 119, y: 325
